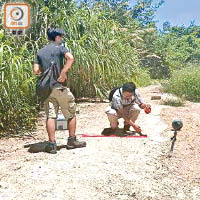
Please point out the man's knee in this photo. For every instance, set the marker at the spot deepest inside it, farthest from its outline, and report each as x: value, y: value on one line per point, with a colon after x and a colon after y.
x: 135, y: 112
x: 135, y: 109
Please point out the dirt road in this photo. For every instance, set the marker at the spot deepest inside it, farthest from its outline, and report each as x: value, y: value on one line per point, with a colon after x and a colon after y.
x: 108, y: 168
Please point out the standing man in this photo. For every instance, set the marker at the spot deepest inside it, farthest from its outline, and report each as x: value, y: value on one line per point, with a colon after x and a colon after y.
x: 126, y: 103
x: 60, y: 96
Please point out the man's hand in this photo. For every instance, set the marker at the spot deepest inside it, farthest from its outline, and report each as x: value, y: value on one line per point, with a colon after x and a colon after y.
x: 70, y: 59
x: 37, y: 69
x: 137, y: 128
x: 128, y: 121
x: 147, y: 108
x: 62, y: 78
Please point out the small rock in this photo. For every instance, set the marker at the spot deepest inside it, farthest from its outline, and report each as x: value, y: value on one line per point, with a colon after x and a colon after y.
x: 155, y: 97
x: 169, y: 99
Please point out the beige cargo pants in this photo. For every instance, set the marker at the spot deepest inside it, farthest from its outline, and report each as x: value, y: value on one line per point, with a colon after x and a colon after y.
x: 131, y: 112
x: 60, y: 98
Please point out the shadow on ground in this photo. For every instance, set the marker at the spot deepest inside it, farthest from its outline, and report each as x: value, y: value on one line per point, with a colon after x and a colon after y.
x: 120, y: 132
x: 40, y: 147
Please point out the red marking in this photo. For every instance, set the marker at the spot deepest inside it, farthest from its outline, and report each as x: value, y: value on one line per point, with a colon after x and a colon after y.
x: 129, y: 136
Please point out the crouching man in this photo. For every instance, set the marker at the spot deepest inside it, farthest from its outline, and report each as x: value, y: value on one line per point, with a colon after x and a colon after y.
x: 50, y: 65
x: 126, y: 103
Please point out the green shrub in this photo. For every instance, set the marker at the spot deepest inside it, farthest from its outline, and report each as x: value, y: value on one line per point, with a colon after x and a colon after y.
x: 185, y: 83
x: 142, y: 78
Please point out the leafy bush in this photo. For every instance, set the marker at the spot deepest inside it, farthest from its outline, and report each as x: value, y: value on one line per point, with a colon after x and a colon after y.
x: 142, y: 78
x: 185, y: 83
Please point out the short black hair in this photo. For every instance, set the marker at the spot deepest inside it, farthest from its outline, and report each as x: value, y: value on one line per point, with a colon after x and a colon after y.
x: 53, y: 32
x: 129, y: 87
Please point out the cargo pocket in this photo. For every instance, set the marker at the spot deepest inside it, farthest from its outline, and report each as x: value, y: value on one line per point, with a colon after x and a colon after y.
x: 72, y: 109
x: 72, y: 104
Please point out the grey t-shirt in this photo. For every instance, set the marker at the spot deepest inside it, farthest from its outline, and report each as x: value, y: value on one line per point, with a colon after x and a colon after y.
x: 52, y: 53
x: 118, y: 101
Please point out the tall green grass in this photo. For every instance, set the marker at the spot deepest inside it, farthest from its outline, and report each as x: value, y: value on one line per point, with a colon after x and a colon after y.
x: 185, y: 83
x: 104, y: 55
x: 17, y: 85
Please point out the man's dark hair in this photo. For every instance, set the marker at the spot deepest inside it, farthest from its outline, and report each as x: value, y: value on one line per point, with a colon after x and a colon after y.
x: 53, y: 32
x: 129, y: 87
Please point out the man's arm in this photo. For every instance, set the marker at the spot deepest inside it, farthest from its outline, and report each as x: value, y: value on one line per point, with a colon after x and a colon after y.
x: 140, y: 102
x: 69, y: 61
x: 117, y: 105
x: 37, y: 69
x: 128, y: 121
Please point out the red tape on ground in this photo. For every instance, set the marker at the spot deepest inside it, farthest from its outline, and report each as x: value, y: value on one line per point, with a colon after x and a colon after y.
x: 129, y: 136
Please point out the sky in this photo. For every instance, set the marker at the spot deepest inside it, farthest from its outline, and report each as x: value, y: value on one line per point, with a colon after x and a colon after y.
x: 177, y: 12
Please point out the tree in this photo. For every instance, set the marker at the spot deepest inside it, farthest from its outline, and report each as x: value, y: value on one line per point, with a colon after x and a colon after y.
x: 144, y: 11
x: 166, y: 26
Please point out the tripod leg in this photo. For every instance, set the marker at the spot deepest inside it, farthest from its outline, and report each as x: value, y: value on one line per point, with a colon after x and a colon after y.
x: 173, y: 143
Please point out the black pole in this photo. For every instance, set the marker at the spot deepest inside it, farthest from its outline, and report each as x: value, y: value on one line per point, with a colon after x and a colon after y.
x: 173, y: 143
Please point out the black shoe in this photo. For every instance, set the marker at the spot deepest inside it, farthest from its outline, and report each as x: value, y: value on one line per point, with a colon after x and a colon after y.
x: 126, y: 128
x: 73, y: 143
x: 109, y: 131
x: 51, y: 148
